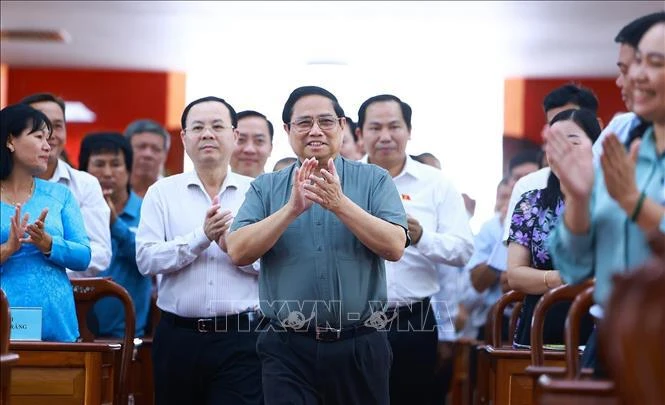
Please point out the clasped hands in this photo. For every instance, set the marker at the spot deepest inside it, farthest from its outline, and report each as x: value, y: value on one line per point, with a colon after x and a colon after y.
x: 309, y: 188
x: 36, y: 234
x: 217, y: 223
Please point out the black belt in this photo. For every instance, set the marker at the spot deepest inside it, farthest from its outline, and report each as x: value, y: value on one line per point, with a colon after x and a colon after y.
x: 325, y: 333
x: 231, y: 322
x: 417, y: 307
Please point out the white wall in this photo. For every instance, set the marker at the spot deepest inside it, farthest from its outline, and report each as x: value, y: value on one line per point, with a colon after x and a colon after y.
x: 455, y: 90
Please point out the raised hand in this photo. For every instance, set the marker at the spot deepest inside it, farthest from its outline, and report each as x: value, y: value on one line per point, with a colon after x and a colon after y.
x: 298, y: 201
x: 217, y: 221
x: 227, y: 220
x: 571, y: 165
x: 16, y: 230
x: 325, y: 190
x: 415, y: 229
x: 107, y: 196
x: 37, y: 235
x: 619, y: 171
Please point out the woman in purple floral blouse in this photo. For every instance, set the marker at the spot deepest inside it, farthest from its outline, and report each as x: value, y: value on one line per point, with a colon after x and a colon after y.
x: 530, y: 268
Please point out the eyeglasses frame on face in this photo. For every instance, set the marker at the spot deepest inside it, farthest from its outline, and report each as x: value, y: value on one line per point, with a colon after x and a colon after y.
x: 210, y: 128
x: 316, y: 120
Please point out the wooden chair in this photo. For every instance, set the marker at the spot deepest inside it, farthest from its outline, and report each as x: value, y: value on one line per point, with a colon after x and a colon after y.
x: 481, y: 396
x: 496, y: 313
x: 87, y: 291
x: 632, y: 335
x: 583, y: 299
x: 7, y: 359
x: 492, y: 340
x: 577, y: 392
x: 508, y: 382
x: 141, y: 384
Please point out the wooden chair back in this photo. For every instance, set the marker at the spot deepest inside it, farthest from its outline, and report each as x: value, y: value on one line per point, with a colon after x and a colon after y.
x: 7, y: 359
x: 580, y: 307
x: 87, y: 291
x: 632, y: 334
x: 497, y: 315
x: 555, y: 295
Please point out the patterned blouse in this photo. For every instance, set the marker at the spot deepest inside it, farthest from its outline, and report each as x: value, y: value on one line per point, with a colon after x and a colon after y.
x: 531, y: 224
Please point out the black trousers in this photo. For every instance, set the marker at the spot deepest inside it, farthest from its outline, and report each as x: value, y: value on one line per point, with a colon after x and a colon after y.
x: 299, y: 370
x: 413, y: 339
x: 217, y: 368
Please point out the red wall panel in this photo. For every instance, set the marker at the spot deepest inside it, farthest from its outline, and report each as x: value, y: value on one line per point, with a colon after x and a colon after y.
x: 116, y: 96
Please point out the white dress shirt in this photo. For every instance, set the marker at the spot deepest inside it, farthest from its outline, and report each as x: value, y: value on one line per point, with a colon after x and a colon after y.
x: 446, y: 300
x: 532, y: 181
x: 96, y: 216
x: 447, y: 239
x: 198, y: 278
x: 478, y: 304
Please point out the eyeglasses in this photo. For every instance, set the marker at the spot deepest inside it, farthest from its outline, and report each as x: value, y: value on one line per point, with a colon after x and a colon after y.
x: 326, y: 123
x: 216, y: 129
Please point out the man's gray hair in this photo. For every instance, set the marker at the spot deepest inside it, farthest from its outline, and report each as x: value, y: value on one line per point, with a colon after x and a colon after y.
x: 146, y: 125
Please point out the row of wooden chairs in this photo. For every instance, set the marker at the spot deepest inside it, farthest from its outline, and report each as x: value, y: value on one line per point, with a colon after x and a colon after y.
x: 631, y: 345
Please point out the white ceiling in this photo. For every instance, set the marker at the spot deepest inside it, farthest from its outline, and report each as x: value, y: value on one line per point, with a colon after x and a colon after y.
x: 521, y: 38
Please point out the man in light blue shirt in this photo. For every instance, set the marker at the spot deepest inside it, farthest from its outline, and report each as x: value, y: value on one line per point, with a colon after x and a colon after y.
x: 108, y: 157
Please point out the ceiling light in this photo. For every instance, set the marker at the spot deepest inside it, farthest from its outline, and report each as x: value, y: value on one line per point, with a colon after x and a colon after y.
x: 76, y: 111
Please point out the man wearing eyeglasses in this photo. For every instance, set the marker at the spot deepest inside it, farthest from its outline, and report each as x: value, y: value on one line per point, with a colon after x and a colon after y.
x: 440, y: 233
x: 322, y: 230
x: 204, y: 348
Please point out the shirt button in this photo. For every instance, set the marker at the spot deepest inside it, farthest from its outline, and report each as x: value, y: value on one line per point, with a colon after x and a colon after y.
x: 318, y: 249
x: 209, y: 282
x: 318, y: 223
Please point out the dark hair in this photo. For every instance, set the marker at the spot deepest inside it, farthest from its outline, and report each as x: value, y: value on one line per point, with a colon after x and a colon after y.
x: 525, y: 156
x: 301, y: 92
x: 252, y: 113
x: 146, y: 125
x: 406, y: 109
x: 15, y: 119
x: 232, y: 112
x: 425, y: 155
x: 588, y: 122
x: 571, y: 94
x: 352, y: 127
x: 41, y: 97
x: 104, y: 142
x: 285, y: 161
x: 632, y: 33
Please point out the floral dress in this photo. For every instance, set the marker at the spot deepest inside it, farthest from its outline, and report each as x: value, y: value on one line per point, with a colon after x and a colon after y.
x: 530, y: 226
